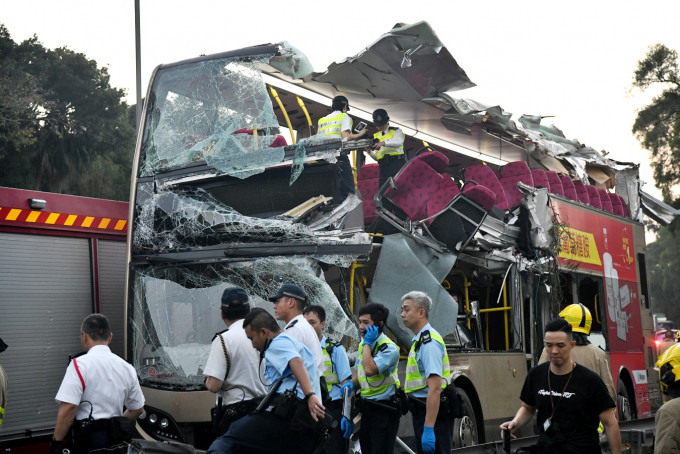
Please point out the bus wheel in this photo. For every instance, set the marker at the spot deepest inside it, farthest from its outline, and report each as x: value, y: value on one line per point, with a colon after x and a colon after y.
x: 623, y: 402
x: 465, y: 429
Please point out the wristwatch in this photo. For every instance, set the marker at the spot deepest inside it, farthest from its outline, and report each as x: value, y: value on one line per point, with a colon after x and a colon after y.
x: 308, y: 395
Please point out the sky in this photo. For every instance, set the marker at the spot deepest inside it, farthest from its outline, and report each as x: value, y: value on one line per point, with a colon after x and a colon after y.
x: 571, y: 60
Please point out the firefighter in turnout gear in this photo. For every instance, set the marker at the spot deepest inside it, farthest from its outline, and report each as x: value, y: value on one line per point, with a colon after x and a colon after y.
x: 427, y: 373
x: 667, y: 419
x: 377, y: 378
x: 336, y: 372
x: 339, y: 124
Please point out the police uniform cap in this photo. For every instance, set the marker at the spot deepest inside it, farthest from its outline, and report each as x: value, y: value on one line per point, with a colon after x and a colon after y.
x: 234, y: 298
x: 291, y: 291
x: 380, y: 117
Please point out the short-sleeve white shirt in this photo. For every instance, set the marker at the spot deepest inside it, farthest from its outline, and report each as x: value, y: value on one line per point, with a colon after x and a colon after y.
x: 110, y: 384
x: 243, y: 381
x: 300, y: 329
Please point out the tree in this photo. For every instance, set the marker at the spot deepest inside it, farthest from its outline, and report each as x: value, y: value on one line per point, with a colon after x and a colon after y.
x: 657, y: 125
x: 63, y: 128
x: 663, y: 261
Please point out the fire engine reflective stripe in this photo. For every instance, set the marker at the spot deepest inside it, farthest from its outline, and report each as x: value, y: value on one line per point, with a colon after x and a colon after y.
x: 327, y: 372
x: 52, y: 218
x: 61, y: 219
x: 415, y: 381
x: 387, y: 151
x: 376, y: 384
x: 71, y: 219
x: 33, y: 216
x: 87, y: 221
x: 331, y: 126
x: 120, y: 225
x: 104, y: 223
x: 13, y: 214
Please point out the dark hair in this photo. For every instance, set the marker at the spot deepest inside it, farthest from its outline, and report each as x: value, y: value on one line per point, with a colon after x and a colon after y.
x: 559, y: 324
x: 339, y: 103
x: 319, y: 311
x: 377, y: 311
x: 259, y: 318
x: 97, y: 327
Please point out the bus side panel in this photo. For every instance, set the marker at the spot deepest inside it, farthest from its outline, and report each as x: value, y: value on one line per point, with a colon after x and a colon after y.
x: 635, y: 364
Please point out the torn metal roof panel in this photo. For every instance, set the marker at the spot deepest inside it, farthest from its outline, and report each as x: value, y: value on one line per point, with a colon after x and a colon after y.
x: 657, y: 210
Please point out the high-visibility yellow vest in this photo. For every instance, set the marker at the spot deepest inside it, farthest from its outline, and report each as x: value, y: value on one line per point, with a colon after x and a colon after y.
x: 332, y: 126
x: 415, y: 381
x: 329, y: 375
x: 376, y: 384
x: 387, y: 151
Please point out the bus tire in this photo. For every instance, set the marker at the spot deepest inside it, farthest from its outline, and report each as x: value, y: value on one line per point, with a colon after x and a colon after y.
x: 465, y: 431
x: 623, y: 401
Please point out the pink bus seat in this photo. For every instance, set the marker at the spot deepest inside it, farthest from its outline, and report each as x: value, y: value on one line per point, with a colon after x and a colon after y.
x: 367, y: 181
x: 512, y: 173
x: 623, y: 206
x: 581, y: 192
x: 616, y: 204
x: 594, y: 197
x: 555, y: 182
x: 606, y: 201
x: 540, y: 179
x: 568, y: 187
x: 483, y: 175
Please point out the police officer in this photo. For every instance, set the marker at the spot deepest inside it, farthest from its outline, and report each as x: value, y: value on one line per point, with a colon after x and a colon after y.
x: 298, y: 397
x: 96, y: 387
x: 667, y: 419
x: 233, y: 367
x: 336, y: 372
x: 377, y: 377
x: 427, y: 372
x: 289, y: 302
x: 585, y: 353
x: 339, y: 124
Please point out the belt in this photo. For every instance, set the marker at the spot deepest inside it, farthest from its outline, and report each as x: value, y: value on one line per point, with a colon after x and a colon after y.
x: 389, y: 157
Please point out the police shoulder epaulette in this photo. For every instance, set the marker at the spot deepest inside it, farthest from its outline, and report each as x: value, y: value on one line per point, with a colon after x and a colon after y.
x: 333, y: 343
x: 217, y: 334
x: 382, y: 347
x: 292, y: 324
x: 426, y: 337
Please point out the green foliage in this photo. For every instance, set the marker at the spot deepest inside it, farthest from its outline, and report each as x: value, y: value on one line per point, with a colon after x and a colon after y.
x: 657, y: 125
x: 663, y: 262
x: 63, y: 128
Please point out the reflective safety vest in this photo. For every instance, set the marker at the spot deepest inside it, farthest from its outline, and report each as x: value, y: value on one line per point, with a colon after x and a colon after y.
x: 387, y: 151
x: 415, y: 381
x: 376, y: 384
x: 332, y: 126
x: 327, y: 372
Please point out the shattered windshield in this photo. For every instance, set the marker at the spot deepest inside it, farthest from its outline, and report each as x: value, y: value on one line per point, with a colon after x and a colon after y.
x: 175, y: 313
x: 217, y: 111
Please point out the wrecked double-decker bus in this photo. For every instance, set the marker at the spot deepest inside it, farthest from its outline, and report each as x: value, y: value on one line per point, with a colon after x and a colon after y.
x: 231, y: 186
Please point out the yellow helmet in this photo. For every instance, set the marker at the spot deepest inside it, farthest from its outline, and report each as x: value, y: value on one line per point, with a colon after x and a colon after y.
x: 578, y: 316
x: 669, y: 367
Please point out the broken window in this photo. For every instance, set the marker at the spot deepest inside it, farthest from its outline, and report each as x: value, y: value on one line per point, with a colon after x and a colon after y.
x: 175, y: 312
x: 218, y: 111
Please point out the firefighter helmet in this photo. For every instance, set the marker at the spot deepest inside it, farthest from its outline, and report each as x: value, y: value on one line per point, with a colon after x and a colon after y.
x: 669, y: 367
x: 578, y: 317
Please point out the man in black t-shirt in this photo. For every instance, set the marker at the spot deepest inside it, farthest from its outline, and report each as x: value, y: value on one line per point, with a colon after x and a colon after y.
x: 570, y: 400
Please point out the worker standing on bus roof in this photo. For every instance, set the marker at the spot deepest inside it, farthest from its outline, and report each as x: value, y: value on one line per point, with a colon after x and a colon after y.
x: 96, y: 387
x: 585, y: 353
x: 233, y: 367
x: 289, y: 424
x: 427, y: 373
x: 339, y: 124
x: 289, y: 302
x: 336, y: 372
x: 570, y: 399
x: 667, y: 419
x: 377, y: 364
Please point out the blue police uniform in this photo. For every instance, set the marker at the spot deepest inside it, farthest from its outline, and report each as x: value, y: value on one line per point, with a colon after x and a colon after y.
x: 430, y: 357
x: 340, y: 371
x: 270, y: 431
x: 379, y: 414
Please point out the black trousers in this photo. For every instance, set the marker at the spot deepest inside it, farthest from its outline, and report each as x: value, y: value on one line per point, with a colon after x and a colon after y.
x: 443, y: 431
x: 336, y: 444
x: 379, y: 427
x: 93, y: 437
x: 347, y: 176
x: 389, y: 166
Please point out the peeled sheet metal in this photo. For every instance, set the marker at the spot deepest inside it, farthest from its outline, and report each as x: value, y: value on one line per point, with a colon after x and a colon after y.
x: 408, y: 62
x: 657, y: 210
x: 405, y: 266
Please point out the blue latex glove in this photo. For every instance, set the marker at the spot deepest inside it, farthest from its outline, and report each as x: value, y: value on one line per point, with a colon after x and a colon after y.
x: 349, y: 385
x: 427, y: 440
x: 371, y: 335
x: 347, y: 427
